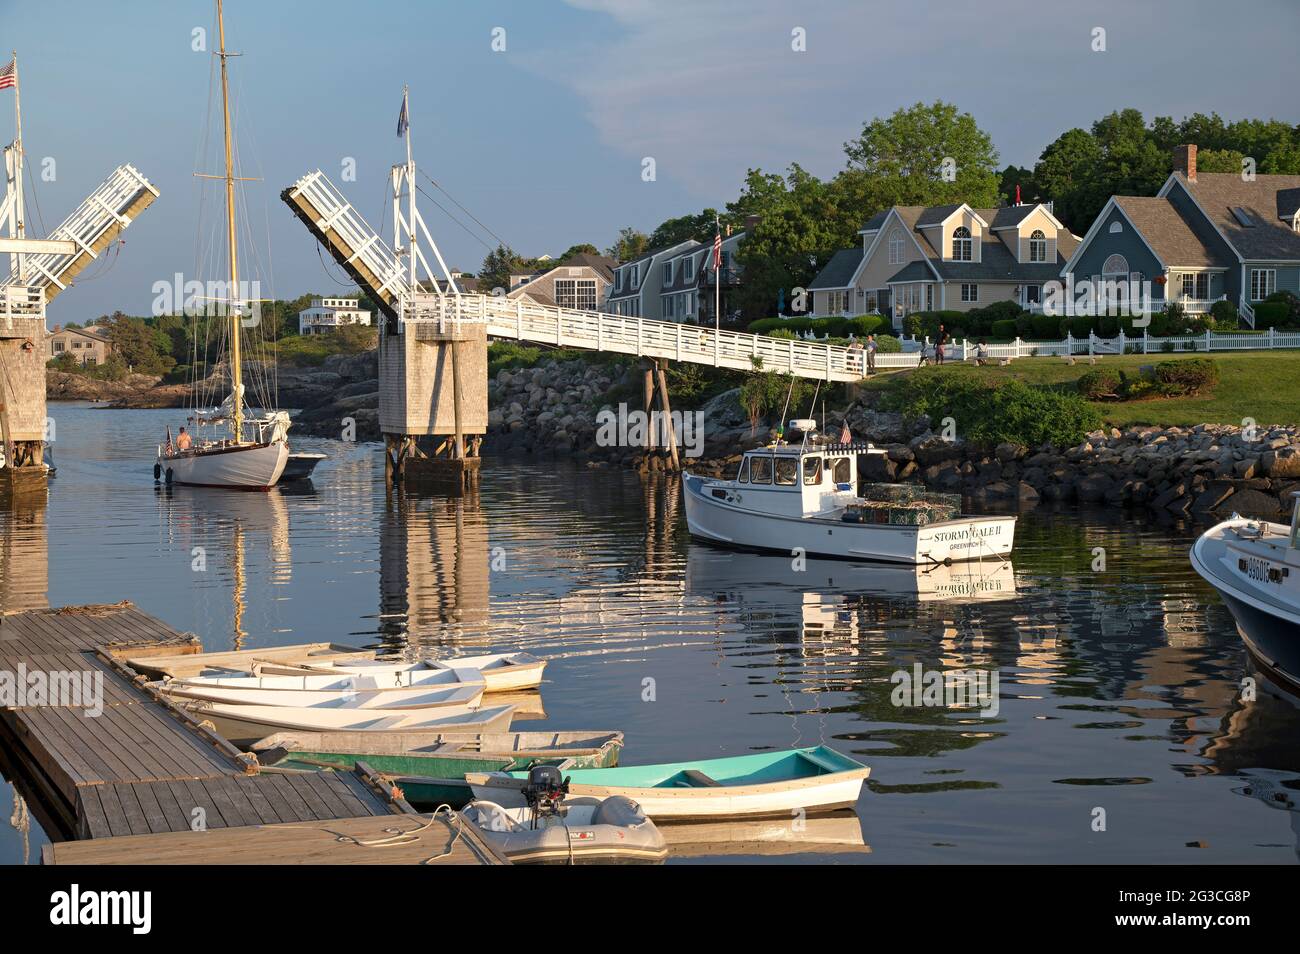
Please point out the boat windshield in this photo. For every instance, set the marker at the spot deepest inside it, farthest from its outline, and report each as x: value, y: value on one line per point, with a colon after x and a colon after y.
x: 841, y: 470
x: 787, y: 470
x: 760, y: 470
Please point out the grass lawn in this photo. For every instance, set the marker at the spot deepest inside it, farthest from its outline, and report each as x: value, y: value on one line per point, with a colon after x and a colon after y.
x: 1263, y: 385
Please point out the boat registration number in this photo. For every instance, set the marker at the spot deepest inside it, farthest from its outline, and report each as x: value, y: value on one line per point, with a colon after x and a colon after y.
x: 1261, y: 570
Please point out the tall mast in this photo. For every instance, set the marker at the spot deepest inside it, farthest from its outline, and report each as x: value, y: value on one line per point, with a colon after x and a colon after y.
x: 236, y: 372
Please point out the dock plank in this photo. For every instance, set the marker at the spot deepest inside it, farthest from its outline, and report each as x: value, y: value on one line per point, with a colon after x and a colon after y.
x: 443, y: 841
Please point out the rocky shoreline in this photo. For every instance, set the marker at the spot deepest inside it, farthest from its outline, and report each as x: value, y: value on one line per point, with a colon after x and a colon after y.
x: 552, y: 410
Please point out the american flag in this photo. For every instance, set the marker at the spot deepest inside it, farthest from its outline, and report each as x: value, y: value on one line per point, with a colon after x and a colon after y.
x: 402, y: 121
x: 9, y: 75
x: 845, y: 436
x: 717, y: 249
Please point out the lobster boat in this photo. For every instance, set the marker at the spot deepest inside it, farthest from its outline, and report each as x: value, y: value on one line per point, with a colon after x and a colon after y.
x: 789, y: 497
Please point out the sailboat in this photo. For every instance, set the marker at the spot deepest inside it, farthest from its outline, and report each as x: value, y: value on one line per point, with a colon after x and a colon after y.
x: 254, y: 455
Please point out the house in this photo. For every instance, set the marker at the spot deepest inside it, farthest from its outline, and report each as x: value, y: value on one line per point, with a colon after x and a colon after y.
x: 581, y: 282
x: 1202, y: 238
x: 88, y: 346
x: 927, y: 258
x: 327, y: 314
x: 687, y: 290
x: 639, y: 282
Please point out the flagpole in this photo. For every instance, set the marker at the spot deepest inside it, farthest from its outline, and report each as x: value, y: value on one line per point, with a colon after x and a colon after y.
x: 410, y: 185
x: 717, y: 283
x: 20, y: 227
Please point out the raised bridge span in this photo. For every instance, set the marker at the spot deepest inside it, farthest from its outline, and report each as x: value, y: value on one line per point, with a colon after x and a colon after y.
x: 383, y: 274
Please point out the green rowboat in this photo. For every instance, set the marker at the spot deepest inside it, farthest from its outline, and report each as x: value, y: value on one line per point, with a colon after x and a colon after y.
x: 430, y: 768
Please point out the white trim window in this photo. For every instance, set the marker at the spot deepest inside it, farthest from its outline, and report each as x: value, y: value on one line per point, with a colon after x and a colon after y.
x: 1196, y: 285
x: 1037, y: 246
x: 579, y: 294
x: 970, y: 291
x: 963, y: 246
x: 668, y: 273
x: 837, y: 302
x: 636, y: 276
x: 1263, y: 282
x: 896, y: 247
x: 688, y: 269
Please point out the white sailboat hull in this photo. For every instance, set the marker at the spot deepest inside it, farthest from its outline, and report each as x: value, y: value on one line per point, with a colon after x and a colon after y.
x: 248, y: 467
x: 734, y: 524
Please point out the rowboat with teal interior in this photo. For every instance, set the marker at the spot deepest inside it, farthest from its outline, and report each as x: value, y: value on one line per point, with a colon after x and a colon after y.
x: 739, y: 786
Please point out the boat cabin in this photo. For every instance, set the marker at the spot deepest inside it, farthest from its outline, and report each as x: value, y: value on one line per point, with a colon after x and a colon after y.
x: 797, y: 480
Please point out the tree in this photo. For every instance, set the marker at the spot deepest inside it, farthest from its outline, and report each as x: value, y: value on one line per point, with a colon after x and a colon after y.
x: 1013, y: 176
x: 685, y: 228
x: 586, y: 248
x: 1218, y: 160
x: 497, y: 268
x: 1066, y: 175
x: 631, y: 244
x: 138, y: 345
x: 928, y: 155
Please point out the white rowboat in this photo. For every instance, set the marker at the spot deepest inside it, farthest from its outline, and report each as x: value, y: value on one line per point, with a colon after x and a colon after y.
x: 247, y: 724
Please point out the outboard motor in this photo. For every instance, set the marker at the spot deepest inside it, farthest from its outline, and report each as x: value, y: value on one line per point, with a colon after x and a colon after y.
x: 545, y: 791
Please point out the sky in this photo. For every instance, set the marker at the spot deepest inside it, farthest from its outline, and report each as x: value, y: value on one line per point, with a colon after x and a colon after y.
x: 544, y: 141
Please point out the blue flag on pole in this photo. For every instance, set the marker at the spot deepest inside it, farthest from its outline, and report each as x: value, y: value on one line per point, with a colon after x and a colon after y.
x: 402, y: 121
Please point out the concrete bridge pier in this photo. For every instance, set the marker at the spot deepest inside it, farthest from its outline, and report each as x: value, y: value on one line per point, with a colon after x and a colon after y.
x: 22, y: 403
x: 433, y: 403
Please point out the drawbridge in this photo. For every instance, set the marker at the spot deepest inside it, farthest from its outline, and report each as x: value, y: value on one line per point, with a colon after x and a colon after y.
x: 380, y: 271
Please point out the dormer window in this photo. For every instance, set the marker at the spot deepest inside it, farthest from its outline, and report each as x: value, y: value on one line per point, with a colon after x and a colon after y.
x: 668, y: 273
x: 896, y: 247
x: 636, y: 276
x: 1037, y: 246
x: 688, y: 269
x: 962, y: 244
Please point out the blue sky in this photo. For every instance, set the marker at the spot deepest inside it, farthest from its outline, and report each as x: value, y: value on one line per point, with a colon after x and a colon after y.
x: 543, y: 142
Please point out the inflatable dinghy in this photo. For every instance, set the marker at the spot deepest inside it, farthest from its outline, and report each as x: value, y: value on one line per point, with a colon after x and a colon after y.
x: 592, y: 830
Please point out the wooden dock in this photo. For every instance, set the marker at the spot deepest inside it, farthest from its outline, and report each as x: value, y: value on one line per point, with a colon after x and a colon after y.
x: 409, y: 840
x: 133, y: 766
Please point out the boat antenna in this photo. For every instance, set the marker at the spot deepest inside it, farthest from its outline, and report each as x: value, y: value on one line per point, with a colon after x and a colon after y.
x: 780, y: 425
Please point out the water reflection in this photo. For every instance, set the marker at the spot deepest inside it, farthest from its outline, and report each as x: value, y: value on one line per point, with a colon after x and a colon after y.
x: 1120, y: 676
x: 24, y: 552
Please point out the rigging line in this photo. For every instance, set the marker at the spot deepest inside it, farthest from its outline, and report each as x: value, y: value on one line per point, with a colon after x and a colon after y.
x: 325, y: 268
x: 500, y: 241
x: 456, y: 220
x: 30, y: 183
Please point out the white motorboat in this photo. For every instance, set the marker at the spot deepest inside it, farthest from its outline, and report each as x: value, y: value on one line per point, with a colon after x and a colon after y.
x: 804, y: 499
x: 1255, y: 566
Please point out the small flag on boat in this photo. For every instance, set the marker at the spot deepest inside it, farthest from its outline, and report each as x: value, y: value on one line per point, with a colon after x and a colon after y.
x: 167, y: 448
x: 9, y: 75
x: 717, y: 246
x: 845, y: 436
x: 402, y: 121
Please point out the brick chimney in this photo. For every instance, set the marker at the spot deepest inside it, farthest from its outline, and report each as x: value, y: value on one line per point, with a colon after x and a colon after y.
x: 751, y: 222
x: 1185, y: 161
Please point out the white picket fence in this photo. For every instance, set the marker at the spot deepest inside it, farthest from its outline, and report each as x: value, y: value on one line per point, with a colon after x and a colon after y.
x: 1120, y: 344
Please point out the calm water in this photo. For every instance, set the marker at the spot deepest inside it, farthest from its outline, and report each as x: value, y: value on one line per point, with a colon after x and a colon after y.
x: 1119, y: 688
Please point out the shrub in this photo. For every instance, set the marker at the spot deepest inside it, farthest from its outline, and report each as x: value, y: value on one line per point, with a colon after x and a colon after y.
x: 1167, y: 347
x: 1108, y: 326
x: 1099, y: 383
x: 1188, y: 377
x: 1046, y: 327
x: 1271, y: 314
x: 989, y: 411
x: 1081, y: 326
x: 781, y: 333
x: 1004, y: 328
x: 888, y: 344
x: 1225, y: 315
x: 1292, y: 305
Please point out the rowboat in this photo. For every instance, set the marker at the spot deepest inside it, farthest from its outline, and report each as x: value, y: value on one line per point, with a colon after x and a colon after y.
x: 503, y: 672
x: 827, y: 834
x: 244, y: 725
x: 742, y: 786
x: 359, y: 689
x: 181, y: 665
x: 590, y: 831
x: 430, y: 770
x: 459, y: 694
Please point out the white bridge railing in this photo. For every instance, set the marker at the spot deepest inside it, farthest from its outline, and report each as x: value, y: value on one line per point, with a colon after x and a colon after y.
x: 646, y: 337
